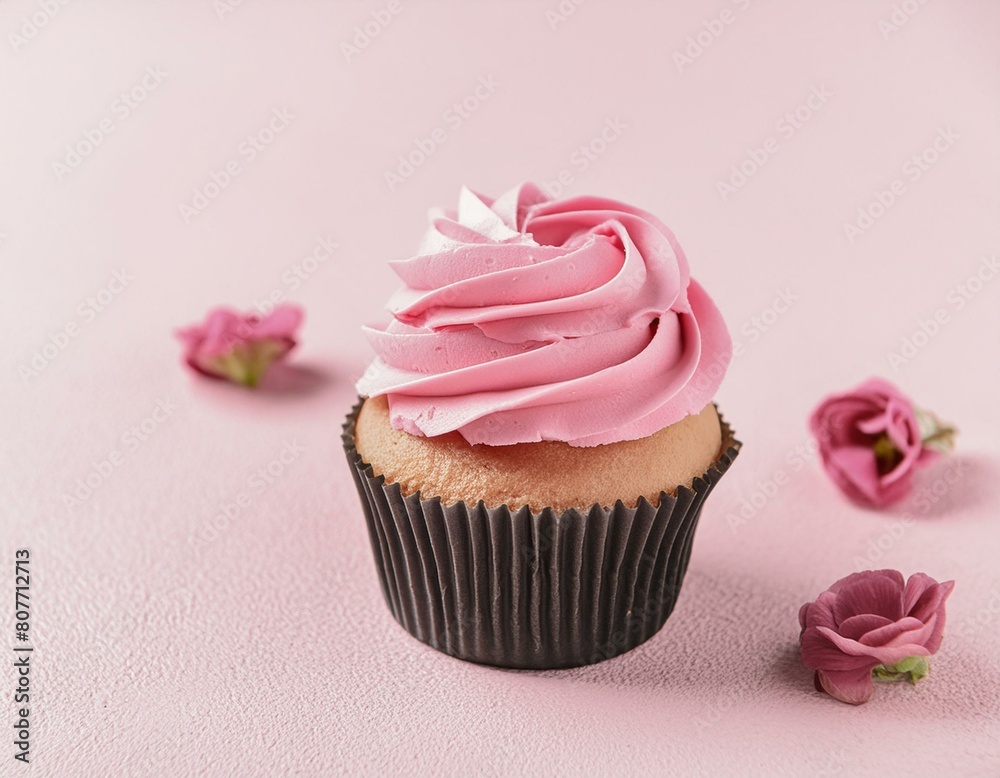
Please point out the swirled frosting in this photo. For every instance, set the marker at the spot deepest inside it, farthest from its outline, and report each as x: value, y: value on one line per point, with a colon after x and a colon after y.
x: 525, y: 318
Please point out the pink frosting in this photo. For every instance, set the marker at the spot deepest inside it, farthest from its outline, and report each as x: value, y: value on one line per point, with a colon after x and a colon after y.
x: 525, y: 319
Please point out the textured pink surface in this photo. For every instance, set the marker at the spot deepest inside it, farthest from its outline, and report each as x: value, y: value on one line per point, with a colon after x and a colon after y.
x: 168, y: 647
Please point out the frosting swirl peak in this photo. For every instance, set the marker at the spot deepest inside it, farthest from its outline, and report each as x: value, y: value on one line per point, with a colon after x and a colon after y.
x: 525, y: 318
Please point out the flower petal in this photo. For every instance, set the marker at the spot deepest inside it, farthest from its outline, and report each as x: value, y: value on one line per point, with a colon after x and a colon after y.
x: 876, y: 594
x: 875, y: 424
x: 856, y: 627
x: 904, y: 431
x: 819, y: 613
x: 891, y: 633
x: 883, y: 389
x: 900, y: 642
x: 820, y: 652
x: 889, y: 655
x: 848, y: 580
x: 901, y: 425
x: 932, y: 601
x: 218, y: 332
x: 280, y: 324
x: 853, y: 687
x: 802, y: 614
x: 835, y: 422
x: 855, y: 469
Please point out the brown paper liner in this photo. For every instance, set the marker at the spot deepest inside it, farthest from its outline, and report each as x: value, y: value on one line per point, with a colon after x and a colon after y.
x: 519, y: 589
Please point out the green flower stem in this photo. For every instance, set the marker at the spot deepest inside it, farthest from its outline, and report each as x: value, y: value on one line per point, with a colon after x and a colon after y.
x: 246, y: 363
x: 936, y: 435
x: 911, y: 669
x: 943, y: 435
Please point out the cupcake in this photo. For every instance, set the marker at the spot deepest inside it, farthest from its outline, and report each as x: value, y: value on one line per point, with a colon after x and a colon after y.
x: 536, y: 434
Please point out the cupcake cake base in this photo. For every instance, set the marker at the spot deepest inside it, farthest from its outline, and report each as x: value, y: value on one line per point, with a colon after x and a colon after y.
x: 523, y: 589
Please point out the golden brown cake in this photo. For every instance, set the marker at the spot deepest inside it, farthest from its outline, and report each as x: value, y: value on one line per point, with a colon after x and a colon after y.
x: 549, y: 473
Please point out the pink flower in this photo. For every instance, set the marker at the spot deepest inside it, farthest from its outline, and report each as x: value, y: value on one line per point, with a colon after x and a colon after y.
x: 240, y: 348
x: 872, y: 438
x: 871, y: 624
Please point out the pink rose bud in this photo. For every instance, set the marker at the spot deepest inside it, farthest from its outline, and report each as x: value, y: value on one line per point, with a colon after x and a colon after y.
x: 871, y: 625
x: 240, y: 348
x: 872, y: 438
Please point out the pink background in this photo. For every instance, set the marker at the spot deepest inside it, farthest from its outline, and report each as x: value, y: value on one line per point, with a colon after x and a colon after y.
x: 164, y: 647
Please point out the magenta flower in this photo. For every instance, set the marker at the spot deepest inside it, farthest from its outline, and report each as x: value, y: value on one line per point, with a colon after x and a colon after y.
x: 240, y: 347
x: 872, y: 438
x: 871, y: 625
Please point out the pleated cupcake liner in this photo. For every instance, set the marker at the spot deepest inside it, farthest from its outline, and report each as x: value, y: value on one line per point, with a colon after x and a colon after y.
x: 513, y: 588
